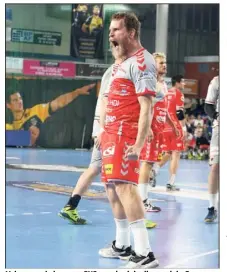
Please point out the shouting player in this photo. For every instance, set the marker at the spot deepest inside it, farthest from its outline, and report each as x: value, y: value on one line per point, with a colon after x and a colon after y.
x: 128, y: 118
x: 70, y: 212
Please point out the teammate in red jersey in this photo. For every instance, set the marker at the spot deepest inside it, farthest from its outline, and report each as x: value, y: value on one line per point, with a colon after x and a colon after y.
x: 128, y: 115
x: 172, y: 145
x: 151, y: 149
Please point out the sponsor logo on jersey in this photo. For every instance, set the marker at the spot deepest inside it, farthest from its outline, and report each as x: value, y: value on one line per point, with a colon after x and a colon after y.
x: 108, y: 149
x: 114, y: 102
x: 123, y: 93
x: 108, y: 168
x: 145, y: 76
x: 161, y: 119
x: 110, y: 118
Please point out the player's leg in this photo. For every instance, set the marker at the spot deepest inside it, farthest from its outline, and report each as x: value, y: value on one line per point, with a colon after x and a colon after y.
x: 165, y: 143
x: 174, y: 164
x: 134, y: 210
x: 149, y: 154
x: 213, y: 178
x: 70, y: 210
x: 124, y: 173
x: 176, y: 146
x: 121, y: 246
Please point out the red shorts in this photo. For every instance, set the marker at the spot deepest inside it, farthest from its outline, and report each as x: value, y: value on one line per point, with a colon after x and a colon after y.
x: 115, y: 164
x: 151, y: 150
x: 171, y: 143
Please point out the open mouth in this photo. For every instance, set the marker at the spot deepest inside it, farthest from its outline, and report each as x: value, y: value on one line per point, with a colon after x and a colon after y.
x: 115, y: 44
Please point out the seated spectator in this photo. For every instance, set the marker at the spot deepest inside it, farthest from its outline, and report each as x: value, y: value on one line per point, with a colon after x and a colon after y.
x: 198, y: 121
x: 207, y: 131
x: 190, y: 124
x: 202, y: 144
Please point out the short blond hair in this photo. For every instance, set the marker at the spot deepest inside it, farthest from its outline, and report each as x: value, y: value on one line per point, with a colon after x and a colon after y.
x: 159, y: 55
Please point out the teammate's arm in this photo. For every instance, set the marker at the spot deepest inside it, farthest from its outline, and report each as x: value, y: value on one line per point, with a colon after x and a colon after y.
x: 64, y: 99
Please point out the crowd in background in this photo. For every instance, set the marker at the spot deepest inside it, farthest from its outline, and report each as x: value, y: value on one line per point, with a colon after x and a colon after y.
x: 199, y: 130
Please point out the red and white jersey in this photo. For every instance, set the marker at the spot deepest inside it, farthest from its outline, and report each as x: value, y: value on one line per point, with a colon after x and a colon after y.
x: 175, y: 102
x: 160, y: 107
x: 134, y: 77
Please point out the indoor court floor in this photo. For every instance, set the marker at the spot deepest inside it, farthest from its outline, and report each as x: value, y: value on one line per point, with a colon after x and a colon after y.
x: 38, y: 184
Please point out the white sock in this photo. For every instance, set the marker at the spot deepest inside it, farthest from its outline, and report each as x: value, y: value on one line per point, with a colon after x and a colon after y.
x: 172, y: 179
x: 156, y: 168
x: 122, y: 233
x: 141, y: 239
x: 143, y: 190
x: 213, y: 200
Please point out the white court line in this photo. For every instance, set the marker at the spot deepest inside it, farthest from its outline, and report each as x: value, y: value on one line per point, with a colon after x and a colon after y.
x: 175, y: 265
x: 11, y: 214
x: 57, y: 167
x: 45, y: 212
x: 195, y: 185
x: 27, y: 213
x: 12, y: 158
x: 203, y: 195
x: 48, y: 167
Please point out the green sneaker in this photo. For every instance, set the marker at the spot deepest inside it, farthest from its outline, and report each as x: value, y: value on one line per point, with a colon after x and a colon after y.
x: 150, y: 224
x: 72, y: 215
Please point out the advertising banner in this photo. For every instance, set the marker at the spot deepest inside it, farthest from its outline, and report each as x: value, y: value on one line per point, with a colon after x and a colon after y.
x: 87, y: 31
x: 49, y: 68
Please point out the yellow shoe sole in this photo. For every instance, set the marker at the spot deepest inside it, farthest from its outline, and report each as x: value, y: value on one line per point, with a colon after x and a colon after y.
x: 150, y: 224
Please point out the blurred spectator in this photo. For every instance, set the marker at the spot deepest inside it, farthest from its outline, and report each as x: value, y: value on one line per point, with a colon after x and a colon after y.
x: 199, y: 130
x: 190, y: 123
x: 198, y: 121
x: 207, y: 131
x: 201, y: 140
x: 190, y: 105
x: 197, y: 145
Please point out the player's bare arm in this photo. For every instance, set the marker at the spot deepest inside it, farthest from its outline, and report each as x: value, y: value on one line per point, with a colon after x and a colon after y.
x: 65, y: 99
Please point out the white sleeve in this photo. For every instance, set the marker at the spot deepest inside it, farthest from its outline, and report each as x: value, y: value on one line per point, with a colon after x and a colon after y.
x: 213, y: 90
x: 144, y: 74
x: 104, y: 88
